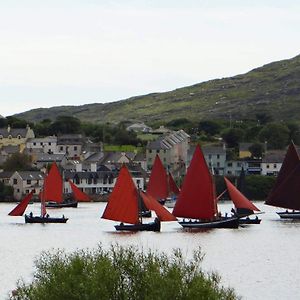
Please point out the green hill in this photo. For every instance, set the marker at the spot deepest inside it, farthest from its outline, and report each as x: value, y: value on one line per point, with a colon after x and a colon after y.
x: 273, y: 88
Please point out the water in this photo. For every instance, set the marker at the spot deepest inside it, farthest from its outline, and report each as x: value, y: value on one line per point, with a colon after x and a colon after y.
x: 259, y: 261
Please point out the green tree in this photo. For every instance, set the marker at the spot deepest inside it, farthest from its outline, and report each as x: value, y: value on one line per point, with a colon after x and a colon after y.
x: 122, y: 273
x: 209, y: 127
x: 256, y: 150
x: 66, y: 125
x: 275, y: 134
x: 233, y: 136
x: 18, y: 162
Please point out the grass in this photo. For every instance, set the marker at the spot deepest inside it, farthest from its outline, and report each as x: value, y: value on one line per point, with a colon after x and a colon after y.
x: 121, y: 273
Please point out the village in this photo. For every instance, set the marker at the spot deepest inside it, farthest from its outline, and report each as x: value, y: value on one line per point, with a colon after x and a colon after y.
x: 95, y: 171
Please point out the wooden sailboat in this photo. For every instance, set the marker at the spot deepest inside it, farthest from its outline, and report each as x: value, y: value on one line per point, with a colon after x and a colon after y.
x: 54, y: 190
x: 44, y: 217
x: 123, y: 206
x: 285, y: 192
x: 197, y: 198
x: 243, y: 206
x: 161, y: 186
x: 21, y: 207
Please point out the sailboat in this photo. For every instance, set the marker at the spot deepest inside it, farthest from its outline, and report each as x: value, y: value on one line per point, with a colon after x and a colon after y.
x: 161, y: 185
x: 243, y: 206
x: 54, y: 195
x: 44, y: 217
x: 21, y: 207
x: 286, y: 190
x: 124, y: 206
x: 197, y: 200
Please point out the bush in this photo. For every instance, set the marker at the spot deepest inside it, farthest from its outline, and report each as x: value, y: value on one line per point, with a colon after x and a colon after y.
x: 121, y: 273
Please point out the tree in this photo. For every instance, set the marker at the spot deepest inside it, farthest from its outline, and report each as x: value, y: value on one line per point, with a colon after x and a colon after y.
x: 18, y: 162
x: 256, y: 150
x: 263, y: 118
x: 275, y: 134
x: 65, y: 125
x: 209, y: 127
x: 233, y: 136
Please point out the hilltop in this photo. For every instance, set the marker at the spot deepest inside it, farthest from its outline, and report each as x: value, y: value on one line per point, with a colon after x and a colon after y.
x: 273, y: 88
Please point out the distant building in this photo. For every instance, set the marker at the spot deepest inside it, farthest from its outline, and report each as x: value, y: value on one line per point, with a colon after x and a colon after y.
x: 23, y: 182
x: 215, y: 157
x: 139, y: 127
x: 244, y: 151
x: 71, y: 144
x: 172, y: 149
x: 272, y: 162
x: 43, y: 145
x: 15, y: 136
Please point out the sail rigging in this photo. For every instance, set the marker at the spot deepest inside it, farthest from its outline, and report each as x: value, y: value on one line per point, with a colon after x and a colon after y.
x: 158, y: 182
x: 286, y: 190
x: 53, y: 186
x: 242, y: 204
x: 79, y: 195
x: 162, y: 213
x: 123, y: 201
x: 197, y: 196
x: 21, y: 207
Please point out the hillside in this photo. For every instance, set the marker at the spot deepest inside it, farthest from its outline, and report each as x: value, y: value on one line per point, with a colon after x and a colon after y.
x: 273, y: 88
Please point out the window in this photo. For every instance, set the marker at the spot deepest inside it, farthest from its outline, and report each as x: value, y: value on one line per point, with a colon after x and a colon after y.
x: 19, y: 137
x: 268, y: 166
x: 61, y: 148
x: 275, y: 166
x: 209, y: 156
x: 229, y: 164
x: 157, y: 151
x: 229, y: 172
x: 49, y: 143
x: 75, y: 148
x: 15, y: 181
x: 238, y: 164
x: 218, y: 164
x: 34, y: 143
x: 218, y: 156
x: 150, y: 151
x: 10, y: 137
x: 28, y: 181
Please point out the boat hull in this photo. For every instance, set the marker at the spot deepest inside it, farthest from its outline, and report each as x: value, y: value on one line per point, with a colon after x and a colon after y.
x: 249, y: 221
x: 153, y: 226
x: 61, y: 205
x: 218, y: 223
x: 38, y: 219
x: 289, y: 215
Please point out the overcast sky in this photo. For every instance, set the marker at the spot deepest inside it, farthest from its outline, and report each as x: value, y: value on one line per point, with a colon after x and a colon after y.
x: 72, y: 52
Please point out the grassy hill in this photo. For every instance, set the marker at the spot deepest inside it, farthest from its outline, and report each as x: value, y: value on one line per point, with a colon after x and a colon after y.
x: 273, y: 88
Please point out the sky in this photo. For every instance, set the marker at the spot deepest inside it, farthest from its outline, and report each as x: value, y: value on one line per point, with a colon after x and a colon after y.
x: 74, y: 52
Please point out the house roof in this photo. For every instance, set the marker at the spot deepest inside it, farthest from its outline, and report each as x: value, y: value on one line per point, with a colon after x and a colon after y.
x: 45, y: 157
x: 14, y: 132
x: 168, y: 141
x: 274, y: 156
x: 31, y: 175
x: 213, y: 150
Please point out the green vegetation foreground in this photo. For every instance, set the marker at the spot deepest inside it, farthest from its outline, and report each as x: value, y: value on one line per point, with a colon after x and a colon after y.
x: 121, y: 273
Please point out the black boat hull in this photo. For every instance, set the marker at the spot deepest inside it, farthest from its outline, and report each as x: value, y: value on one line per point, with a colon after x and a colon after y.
x: 153, y: 226
x: 218, y: 223
x: 61, y: 205
x: 289, y: 215
x: 38, y: 219
x: 249, y: 221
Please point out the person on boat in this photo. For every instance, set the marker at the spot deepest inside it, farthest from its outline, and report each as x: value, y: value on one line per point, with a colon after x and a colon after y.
x: 63, y: 216
x: 31, y: 214
x: 47, y: 215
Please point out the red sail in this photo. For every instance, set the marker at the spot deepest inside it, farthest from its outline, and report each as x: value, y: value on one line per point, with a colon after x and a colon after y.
x: 239, y: 200
x: 173, y: 188
x: 197, y: 197
x: 79, y: 195
x: 286, y: 188
x: 152, y: 204
x: 53, y: 186
x: 158, y: 182
x: 123, y: 201
x: 21, y: 207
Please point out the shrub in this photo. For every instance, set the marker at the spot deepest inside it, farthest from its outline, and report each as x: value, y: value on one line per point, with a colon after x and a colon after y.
x: 121, y: 273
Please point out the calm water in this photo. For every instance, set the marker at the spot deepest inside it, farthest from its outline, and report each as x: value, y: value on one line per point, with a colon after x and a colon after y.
x: 259, y: 261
